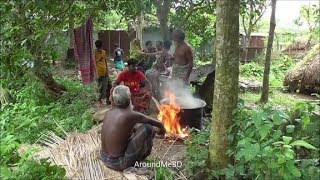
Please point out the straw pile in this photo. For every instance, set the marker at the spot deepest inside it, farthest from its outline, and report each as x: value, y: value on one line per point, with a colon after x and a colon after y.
x: 305, y: 76
x: 297, y: 46
x: 78, y: 153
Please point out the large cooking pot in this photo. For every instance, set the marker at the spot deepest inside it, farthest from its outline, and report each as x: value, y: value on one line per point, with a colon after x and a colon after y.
x: 192, y: 111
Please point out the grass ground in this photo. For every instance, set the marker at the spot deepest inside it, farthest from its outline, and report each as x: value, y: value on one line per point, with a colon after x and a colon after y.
x: 275, y: 98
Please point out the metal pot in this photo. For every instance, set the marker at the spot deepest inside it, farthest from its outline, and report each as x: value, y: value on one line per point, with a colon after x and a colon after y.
x: 191, y: 114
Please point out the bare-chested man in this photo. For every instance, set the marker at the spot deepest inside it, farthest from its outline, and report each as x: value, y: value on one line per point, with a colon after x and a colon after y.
x: 123, y: 142
x: 183, y: 57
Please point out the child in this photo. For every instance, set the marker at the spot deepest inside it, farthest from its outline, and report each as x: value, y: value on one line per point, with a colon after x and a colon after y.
x: 118, y: 57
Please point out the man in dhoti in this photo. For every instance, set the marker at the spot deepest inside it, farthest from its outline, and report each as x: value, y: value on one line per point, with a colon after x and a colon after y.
x: 183, y: 57
x: 124, y: 142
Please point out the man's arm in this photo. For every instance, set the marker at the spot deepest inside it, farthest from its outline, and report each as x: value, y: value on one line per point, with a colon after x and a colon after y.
x: 146, y: 83
x: 118, y: 80
x: 141, y: 118
x: 189, y: 57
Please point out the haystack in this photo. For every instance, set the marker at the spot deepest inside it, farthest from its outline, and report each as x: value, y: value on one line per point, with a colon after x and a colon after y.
x: 78, y: 153
x: 305, y: 76
x: 297, y: 46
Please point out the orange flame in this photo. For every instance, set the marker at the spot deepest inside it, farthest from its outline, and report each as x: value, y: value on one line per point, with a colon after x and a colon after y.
x: 170, y: 116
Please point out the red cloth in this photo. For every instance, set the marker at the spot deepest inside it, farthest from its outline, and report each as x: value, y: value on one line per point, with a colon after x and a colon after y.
x: 132, y: 80
x: 83, y: 49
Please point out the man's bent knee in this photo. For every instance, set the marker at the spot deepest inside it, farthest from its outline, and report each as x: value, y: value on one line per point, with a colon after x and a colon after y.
x: 148, y: 129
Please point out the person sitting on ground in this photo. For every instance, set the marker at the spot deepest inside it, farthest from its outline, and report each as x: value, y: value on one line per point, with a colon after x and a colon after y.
x: 124, y: 142
x: 140, y: 87
x: 102, y: 71
x: 118, y: 57
x: 161, y: 66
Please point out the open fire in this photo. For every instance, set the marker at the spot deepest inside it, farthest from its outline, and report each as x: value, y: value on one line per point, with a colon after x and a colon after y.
x: 170, y: 116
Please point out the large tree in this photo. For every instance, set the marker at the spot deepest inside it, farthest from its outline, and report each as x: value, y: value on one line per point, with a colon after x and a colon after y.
x: 265, y: 88
x: 226, y: 80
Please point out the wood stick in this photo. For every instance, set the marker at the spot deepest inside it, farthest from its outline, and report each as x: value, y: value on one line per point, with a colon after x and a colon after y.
x: 156, y: 102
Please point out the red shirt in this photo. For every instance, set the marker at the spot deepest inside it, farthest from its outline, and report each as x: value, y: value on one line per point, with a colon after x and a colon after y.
x: 132, y: 80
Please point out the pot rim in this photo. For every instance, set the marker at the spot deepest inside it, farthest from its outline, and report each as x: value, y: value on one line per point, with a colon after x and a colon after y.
x: 200, y: 100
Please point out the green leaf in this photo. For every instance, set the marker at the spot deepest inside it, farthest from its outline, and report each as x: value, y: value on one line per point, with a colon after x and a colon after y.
x: 251, y: 151
x: 286, y: 139
x: 264, y: 130
x: 305, y: 121
x: 293, y: 170
x: 276, y: 135
x: 277, y: 120
x: 289, y: 128
x: 281, y: 159
x: 5, y: 172
x: 239, y: 155
x: 303, y: 144
x: 289, y: 153
x: 257, y: 118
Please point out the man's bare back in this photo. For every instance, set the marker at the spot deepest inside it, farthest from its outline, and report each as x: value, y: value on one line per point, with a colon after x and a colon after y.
x: 118, y: 127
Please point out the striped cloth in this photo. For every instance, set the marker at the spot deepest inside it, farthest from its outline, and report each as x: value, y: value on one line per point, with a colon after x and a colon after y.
x: 179, y: 71
x: 83, y: 48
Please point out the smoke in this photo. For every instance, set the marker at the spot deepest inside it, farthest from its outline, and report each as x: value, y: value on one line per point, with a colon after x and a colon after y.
x: 182, y: 93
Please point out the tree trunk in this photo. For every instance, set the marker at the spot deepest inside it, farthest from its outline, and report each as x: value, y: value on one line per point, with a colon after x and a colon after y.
x: 70, y: 60
x: 265, y: 88
x: 139, y: 28
x: 247, y: 44
x: 162, y: 15
x: 50, y: 84
x: 226, y: 81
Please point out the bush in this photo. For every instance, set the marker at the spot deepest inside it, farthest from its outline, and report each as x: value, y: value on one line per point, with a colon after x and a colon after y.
x: 266, y: 143
x: 34, y: 114
x: 251, y: 70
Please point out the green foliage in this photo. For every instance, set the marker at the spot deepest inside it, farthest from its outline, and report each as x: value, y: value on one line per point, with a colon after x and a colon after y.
x: 163, y: 173
x: 251, y: 70
x: 251, y: 12
x: 280, y: 66
x: 34, y: 114
x: 309, y: 15
x: 31, y: 169
x: 261, y: 143
x: 200, y: 27
x: 36, y: 111
x: 15, y: 167
x: 110, y: 20
x: 266, y: 143
x: 197, y: 152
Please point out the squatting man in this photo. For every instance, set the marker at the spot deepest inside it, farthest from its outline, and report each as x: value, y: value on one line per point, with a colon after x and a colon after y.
x: 124, y: 141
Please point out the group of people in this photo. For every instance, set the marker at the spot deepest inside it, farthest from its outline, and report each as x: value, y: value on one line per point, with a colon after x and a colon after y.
x: 127, y: 133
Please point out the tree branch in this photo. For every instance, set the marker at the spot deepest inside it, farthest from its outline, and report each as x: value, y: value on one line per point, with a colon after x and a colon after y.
x: 193, y: 8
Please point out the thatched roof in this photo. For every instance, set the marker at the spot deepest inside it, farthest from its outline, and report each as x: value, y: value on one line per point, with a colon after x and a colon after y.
x: 305, y: 76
